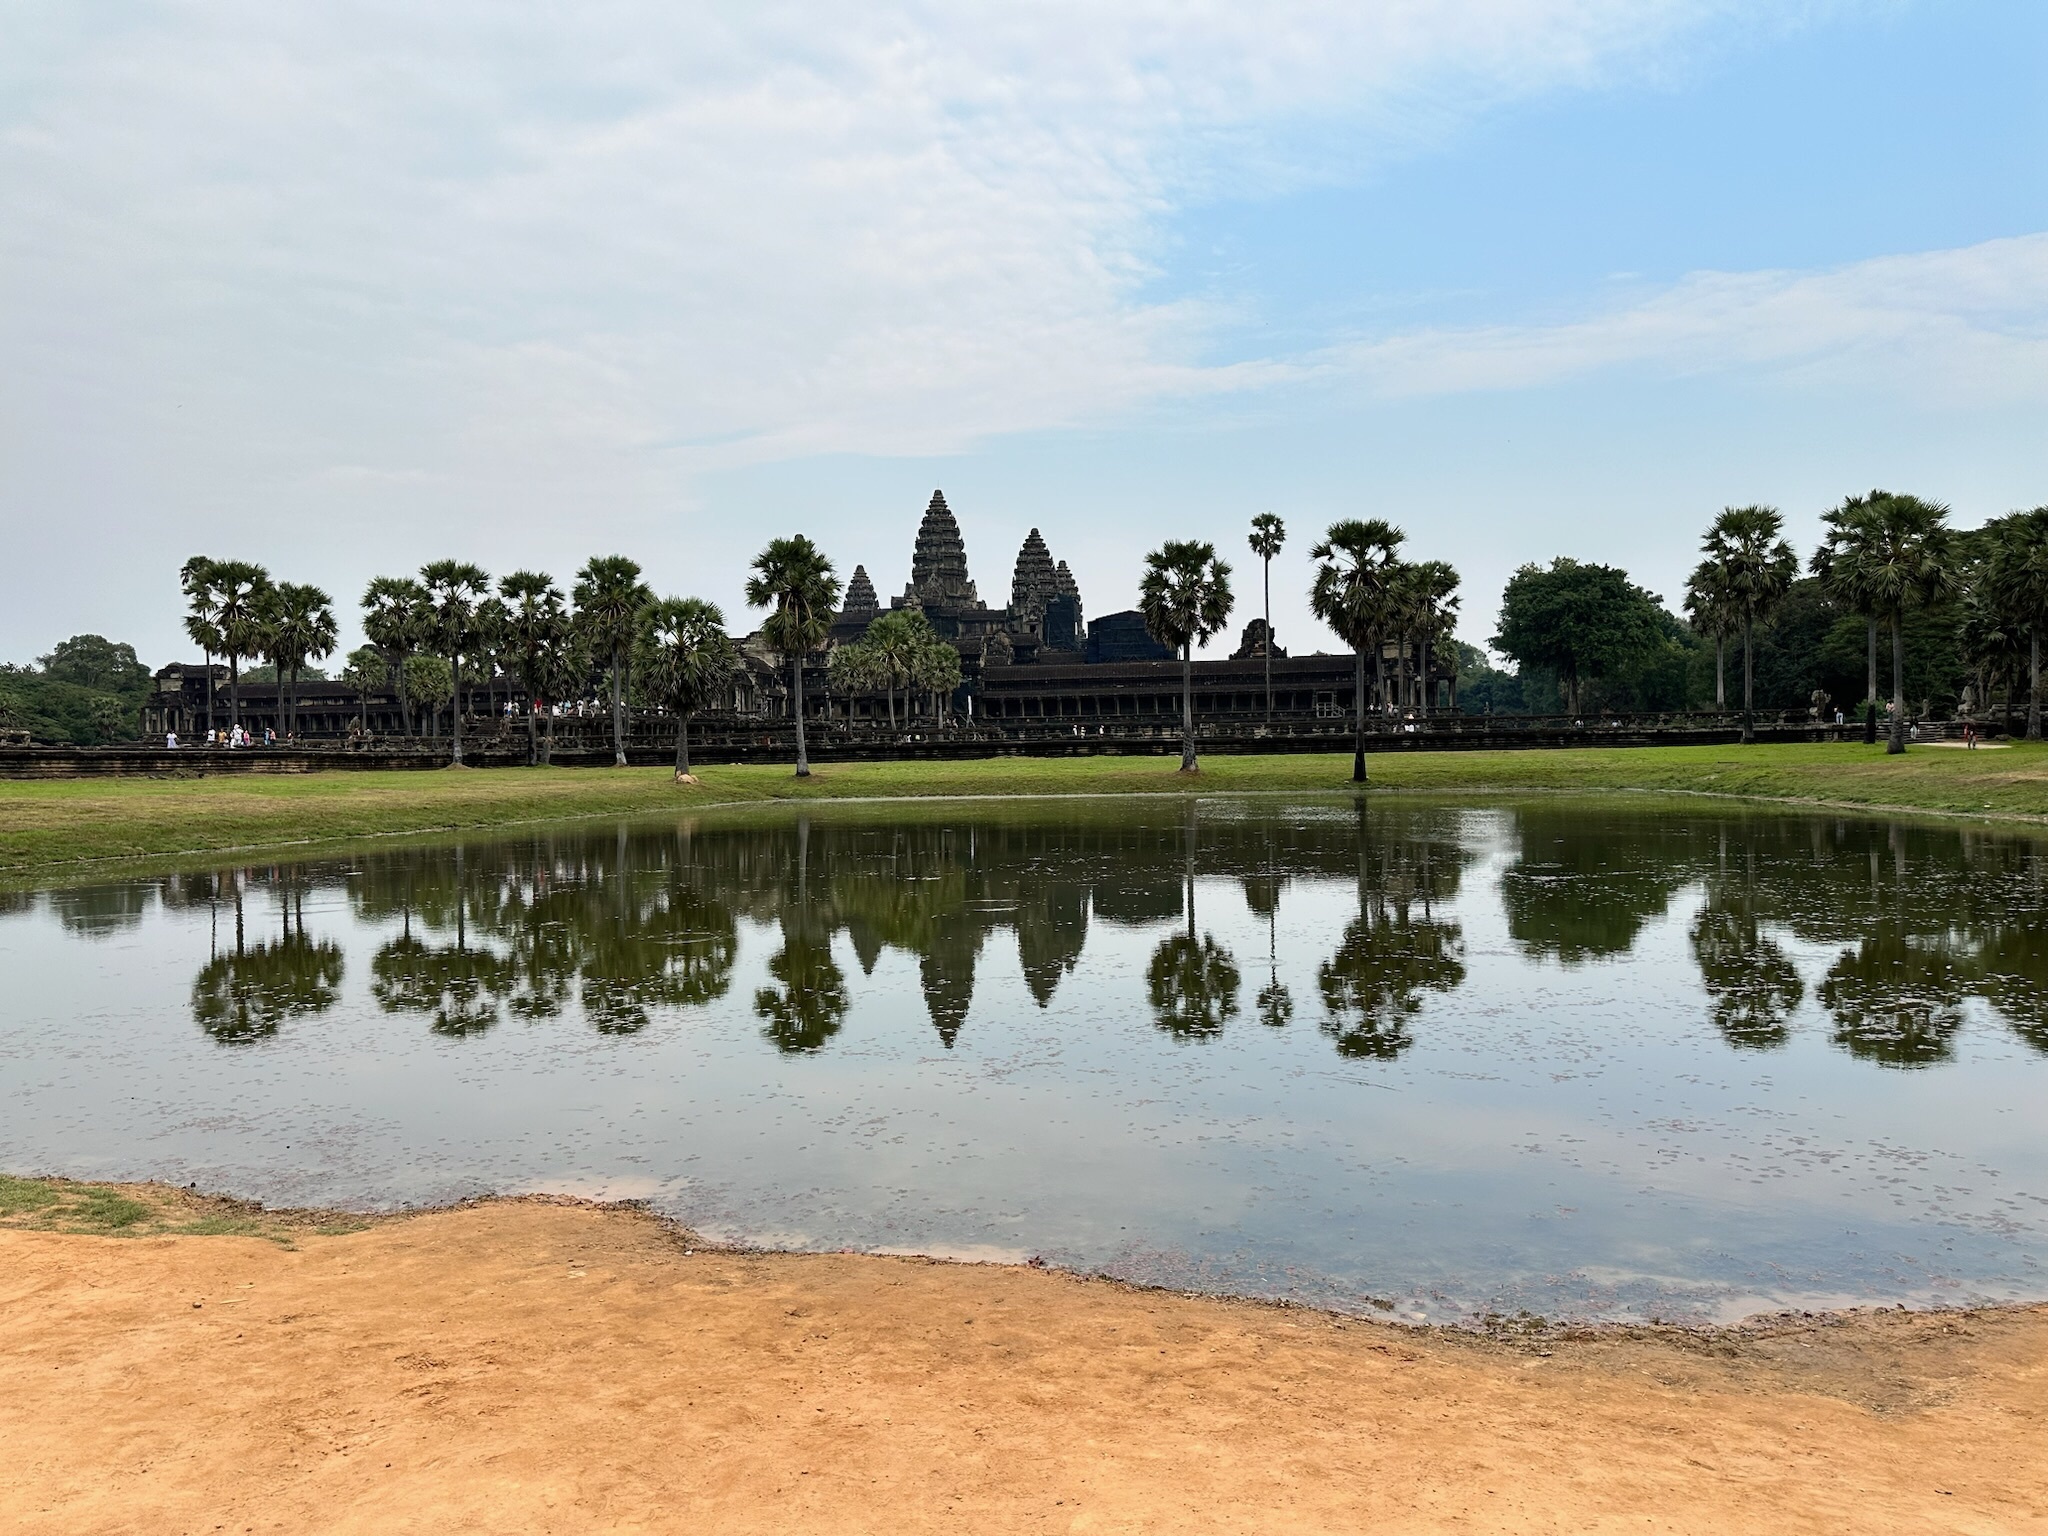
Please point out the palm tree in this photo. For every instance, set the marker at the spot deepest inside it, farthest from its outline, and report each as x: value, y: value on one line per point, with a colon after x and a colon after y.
x: 1268, y: 534
x: 365, y: 664
x: 298, y: 626
x: 891, y: 646
x: 1358, y: 564
x: 1185, y: 598
x: 1755, y: 568
x: 794, y: 577
x: 2018, y: 582
x: 854, y: 672
x: 202, y: 618
x: 1432, y: 587
x: 535, y: 625
x: 238, y: 590
x: 394, y: 621
x: 1707, y: 605
x: 453, y: 590
x: 935, y: 667
x: 1905, y: 560
x: 1843, y: 569
x: 610, y: 599
x: 492, y: 619
x: 691, y: 661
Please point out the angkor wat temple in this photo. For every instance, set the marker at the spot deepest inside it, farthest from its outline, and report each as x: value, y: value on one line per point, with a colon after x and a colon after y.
x: 1031, y: 666
x: 1043, y: 615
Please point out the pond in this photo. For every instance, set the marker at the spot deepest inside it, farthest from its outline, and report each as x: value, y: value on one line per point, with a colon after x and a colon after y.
x: 1588, y: 1058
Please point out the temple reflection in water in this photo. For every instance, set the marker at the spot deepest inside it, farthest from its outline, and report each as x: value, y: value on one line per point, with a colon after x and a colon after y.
x: 618, y: 928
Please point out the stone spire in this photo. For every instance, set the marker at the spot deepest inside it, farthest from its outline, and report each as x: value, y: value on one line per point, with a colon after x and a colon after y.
x: 1035, y: 579
x: 1063, y: 580
x: 861, y: 602
x: 938, y: 565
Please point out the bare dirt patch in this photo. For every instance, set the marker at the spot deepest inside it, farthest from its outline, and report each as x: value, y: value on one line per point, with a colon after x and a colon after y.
x: 530, y: 1366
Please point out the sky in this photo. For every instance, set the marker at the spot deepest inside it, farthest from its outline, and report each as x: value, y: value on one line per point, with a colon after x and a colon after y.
x: 347, y: 288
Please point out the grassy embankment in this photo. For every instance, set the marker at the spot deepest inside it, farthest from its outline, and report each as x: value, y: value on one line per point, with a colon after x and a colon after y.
x: 47, y: 825
x: 153, y: 1210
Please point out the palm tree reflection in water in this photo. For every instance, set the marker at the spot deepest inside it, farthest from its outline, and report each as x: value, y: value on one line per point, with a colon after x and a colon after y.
x: 1907, y: 924
x: 1192, y: 983
x: 247, y: 993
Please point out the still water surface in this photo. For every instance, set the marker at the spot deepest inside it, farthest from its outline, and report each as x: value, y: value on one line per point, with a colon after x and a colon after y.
x: 1588, y: 1058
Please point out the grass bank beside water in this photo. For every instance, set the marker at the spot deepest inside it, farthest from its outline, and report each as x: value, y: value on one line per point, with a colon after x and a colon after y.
x: 50, y: 827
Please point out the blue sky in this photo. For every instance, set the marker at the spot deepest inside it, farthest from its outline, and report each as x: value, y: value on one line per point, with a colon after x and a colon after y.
x: 350, y: 291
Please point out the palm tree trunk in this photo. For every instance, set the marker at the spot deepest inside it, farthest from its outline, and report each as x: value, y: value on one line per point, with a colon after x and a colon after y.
x: 455, y: 704
x: 532, y: 736
x: 1269, y: 639
x: 2034, y: 685
x: 1720, y: 670
x: 1748, y: 679
x: 292, y: 723
x: 1187, y: 708
x: 209, y: 690
x: 890, y: 694
x: 1428, y: 678
x: 547, y: 752
x: 683, y: 746
x: 1358, y: 719
x: 618, y: 709
x: 803, y: 759
x: 1871, y: 686
x: 1896, y: 741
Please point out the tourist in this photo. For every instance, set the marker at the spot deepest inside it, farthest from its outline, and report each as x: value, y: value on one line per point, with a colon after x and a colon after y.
x: 171, y: 740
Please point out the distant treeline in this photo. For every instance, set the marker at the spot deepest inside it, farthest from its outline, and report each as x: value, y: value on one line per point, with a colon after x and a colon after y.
x: 1895, y: 606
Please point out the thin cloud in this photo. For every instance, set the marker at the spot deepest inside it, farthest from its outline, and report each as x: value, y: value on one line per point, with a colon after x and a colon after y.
x: 1962, y: 327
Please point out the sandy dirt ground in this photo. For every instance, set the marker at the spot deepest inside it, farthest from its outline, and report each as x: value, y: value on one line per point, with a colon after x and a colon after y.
x: 534, y: 1367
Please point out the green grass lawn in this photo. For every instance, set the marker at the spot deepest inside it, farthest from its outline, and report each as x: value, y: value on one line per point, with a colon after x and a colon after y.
x: 47, y: 825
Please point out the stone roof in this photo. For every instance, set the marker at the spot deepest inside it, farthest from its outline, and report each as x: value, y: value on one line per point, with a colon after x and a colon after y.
x: 1035, y: 579
x: 861, y: 602
x: 938, y: 566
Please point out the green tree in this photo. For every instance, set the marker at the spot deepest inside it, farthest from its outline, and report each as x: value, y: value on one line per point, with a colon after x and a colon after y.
x: 1711, y: 610
x: 610, y: 603
x: 298, y: 626
x: 202, y: 617
x: 454, y: 588
x: 1428, y: 601
x: 890, y: 650
x: 238, y: 590
x: 1845, y: 575
x: 1905, y: 559
x: 363, y: 671
x: 690, y: 662
x: 1358, y: 569
x: 429, y: 681
x: 1755, y: 568
x: 395, y: 622
x: 1185, y: 598
x: 94, y: 661
x: 1583, y: 621
x: 1267, y: 536
x: 535, y: 629
x: 934, y: 666
x: 2017, y: 579
x: 854, y: 672
x: 793, y: 578
x: 493, y: 628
